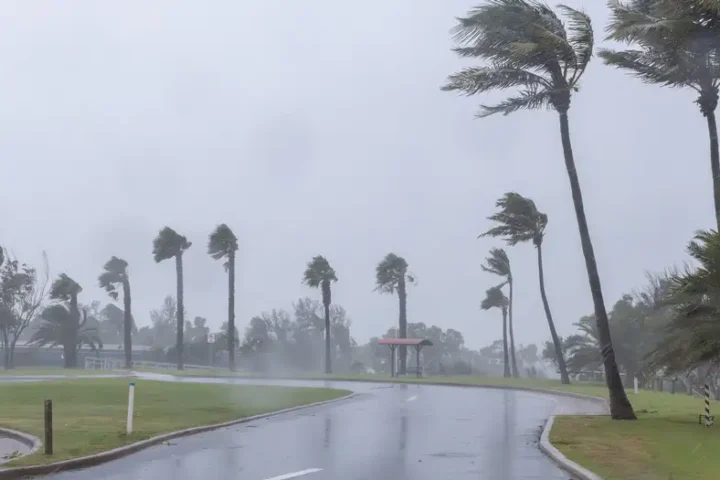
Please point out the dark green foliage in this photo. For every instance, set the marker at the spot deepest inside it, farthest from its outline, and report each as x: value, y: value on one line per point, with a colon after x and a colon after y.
x: 526, y: 47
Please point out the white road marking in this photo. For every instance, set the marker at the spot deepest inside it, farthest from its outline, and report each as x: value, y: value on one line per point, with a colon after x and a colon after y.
x: 412, y: 399
x: 295, y: 474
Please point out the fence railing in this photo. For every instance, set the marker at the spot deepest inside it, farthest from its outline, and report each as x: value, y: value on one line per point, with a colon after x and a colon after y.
x: 94, y: 363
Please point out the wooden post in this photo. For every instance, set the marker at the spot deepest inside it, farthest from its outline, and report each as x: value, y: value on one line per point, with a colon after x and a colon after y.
x: 48, y: 428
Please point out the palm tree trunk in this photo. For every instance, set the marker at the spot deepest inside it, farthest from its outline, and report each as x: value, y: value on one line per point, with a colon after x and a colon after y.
x: 180, y: 314
x: 128, y: 321
x: 714, y: 162
x: 506, y: 357
x: 402, y: 297
x: 231, y: 311
x: 620, y: 407
x: 515, y: 372
x: 328, y: 366
x: 564, y: 378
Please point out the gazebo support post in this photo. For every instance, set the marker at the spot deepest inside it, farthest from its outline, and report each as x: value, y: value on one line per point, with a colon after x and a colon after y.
x: 417, y: 359
x: 392, y: 360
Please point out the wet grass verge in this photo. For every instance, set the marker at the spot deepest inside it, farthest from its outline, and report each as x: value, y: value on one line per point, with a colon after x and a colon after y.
x: 89, y: 414
x: 665, y: 443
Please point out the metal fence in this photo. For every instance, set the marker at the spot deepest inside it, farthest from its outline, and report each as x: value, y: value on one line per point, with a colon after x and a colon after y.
x: 95, y: 363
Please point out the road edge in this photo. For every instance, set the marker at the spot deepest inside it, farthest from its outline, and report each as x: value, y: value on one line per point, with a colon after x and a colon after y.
x: 559, y: 458
x: 13, y: 473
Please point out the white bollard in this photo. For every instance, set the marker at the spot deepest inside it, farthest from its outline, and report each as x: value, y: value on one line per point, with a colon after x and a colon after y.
x: 131, y: 407
x: 635, y: 384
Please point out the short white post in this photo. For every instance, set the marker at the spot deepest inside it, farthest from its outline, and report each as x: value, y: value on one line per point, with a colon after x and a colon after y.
x: 635, y: 385
x: 131, y: 407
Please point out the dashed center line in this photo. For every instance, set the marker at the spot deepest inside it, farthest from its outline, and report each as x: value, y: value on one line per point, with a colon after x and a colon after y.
x: 412, y: 399
x: 295, y: 474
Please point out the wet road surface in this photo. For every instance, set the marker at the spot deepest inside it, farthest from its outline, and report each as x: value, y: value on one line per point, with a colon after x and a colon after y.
x: 398, y: 432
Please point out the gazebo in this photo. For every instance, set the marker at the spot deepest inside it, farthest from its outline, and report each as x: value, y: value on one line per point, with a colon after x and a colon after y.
x: 393, y: 343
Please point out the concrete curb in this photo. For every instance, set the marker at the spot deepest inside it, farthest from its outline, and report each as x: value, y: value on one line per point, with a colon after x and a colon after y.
x: 563, y: 462
x: 103, y: 457
x: 30, y: 441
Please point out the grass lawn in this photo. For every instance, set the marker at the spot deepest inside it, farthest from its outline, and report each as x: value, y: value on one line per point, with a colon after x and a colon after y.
x: 665, y: 443
x: 89, y: 414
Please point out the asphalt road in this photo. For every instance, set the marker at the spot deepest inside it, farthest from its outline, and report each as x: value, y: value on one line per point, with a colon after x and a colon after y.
x: 393, y: 432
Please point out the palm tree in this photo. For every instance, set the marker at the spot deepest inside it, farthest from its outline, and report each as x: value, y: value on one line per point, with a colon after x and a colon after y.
x: 528, y: 47
x: 169, y: 244
x: 498, y: 264
x: 692, y: 337
x: 223, y: 244
x: 495, y: 298
x: 520, y: 221
x: 319, y: 274
x: 66, y: 289
x: 116, y: 274
x: 677, y: 48
x: 391, y: 275
x: 63, y: 325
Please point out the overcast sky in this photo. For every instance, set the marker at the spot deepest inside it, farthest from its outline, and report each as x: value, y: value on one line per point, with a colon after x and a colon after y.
x: 317, y: 128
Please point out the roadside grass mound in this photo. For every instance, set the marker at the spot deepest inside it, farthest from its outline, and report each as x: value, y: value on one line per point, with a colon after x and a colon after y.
x: 89, y: 415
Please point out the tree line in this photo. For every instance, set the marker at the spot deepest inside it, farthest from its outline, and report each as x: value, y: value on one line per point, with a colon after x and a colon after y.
x: 542, y: 54
x: 63, y: 321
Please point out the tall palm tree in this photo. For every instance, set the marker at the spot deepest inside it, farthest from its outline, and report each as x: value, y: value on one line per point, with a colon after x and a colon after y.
x: 391, y: 275
x: 115, y: 275
x: 495, y: 298
x: 677, y: 47
x: 519, y: 221
x: 223, y: 244
x: 319, y: 274
x: 498, y: 264
x: 528, y: 47
x: 170, y: 244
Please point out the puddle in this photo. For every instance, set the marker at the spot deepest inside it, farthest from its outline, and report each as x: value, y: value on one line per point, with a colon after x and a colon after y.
x: 11, y: 449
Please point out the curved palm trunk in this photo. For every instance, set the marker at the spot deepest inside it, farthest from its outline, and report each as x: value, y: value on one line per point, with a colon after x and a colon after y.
x: 714, y: 161
x: 231, y: 311
x: 620, y: 407
x: 328, y: 366
x: 70, y: 342
x: 564, y: 378
x: 180, y: 314
x: 127, y: 340
x: 402, y: 297
x: 515, y: 372
x: 506, y: 358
